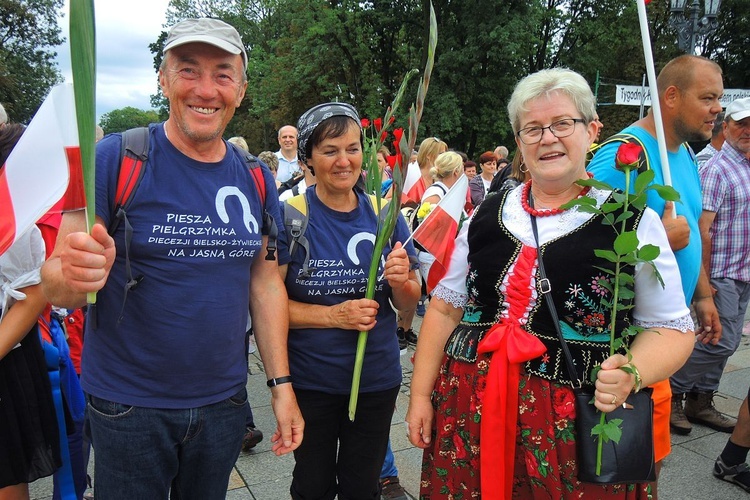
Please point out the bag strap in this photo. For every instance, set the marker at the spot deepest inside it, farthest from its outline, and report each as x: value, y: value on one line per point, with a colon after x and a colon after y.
x: 296, y: 217
x: 269, y: 225
x: 545, y: 288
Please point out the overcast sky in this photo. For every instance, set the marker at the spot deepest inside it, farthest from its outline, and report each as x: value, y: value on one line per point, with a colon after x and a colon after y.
x: 125, y: 66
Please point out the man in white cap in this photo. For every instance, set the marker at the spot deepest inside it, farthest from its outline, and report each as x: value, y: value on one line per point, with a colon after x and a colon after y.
x: 165, y: 370
x: 725, y: 229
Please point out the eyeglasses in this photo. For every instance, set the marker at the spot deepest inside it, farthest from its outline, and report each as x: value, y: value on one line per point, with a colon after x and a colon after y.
x: 560, y: 129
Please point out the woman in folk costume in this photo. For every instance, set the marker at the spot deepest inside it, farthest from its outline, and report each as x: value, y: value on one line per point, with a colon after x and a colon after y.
x: 489, y: 374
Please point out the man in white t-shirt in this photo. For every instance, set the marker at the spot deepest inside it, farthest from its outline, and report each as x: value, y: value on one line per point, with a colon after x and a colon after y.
x: 287, y: 155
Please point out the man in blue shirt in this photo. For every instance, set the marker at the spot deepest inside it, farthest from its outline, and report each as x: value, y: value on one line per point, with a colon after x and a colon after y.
x: 165, y: 370
x: 689, y: 89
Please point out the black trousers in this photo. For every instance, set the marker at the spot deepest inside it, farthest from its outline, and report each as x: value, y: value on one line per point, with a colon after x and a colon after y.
x: 338, y: 456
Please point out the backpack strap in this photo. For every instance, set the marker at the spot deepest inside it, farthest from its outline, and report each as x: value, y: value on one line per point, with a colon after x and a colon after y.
x: 133, y: 157
x: 296, y: 217
x: 627, y: 138
x: 269, y: 225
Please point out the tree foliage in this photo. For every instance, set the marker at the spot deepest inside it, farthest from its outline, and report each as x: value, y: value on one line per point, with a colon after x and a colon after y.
x: 304, y: 53
x: 126, y: 118
x: 28, y: 32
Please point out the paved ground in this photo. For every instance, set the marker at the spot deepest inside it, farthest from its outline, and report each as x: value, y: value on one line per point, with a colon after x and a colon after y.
x: 686, y: 475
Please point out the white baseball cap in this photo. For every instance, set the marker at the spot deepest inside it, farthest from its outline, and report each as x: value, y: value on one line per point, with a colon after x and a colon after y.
x: 738, y: 109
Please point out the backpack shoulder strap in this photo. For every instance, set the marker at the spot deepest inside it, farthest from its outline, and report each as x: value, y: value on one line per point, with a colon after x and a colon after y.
x: 269, y: 225
x: 133, y: 156
x: 296, y: 217
x: 630, y: 138
x: 379, y: 210
x: 134, y: 150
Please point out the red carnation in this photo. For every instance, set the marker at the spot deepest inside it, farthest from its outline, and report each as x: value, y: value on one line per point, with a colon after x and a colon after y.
x: 628, y: 155
x: 378, y: 124
x: 364, y: 122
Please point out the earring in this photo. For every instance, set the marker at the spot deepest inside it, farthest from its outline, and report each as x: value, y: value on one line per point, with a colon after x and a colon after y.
x: 521, y: 168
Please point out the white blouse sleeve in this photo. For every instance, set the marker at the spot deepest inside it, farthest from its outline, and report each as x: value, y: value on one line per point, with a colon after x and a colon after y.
x: 20, y: 267
x: 657, y: 306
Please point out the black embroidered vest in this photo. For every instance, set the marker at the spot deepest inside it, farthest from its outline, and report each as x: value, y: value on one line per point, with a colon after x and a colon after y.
x: 578, y: 291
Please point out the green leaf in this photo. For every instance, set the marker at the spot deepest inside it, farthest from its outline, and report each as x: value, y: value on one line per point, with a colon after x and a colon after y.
x: 606, y: 254
x: 626, y: 279
x: 648, y: 252
x: 577, y: 202
x: 626, y: 293
x: 594, y: 183
x: 594, y: 372
x: 626, y: 242
x: 624, y: 216
x: 619, y: 197
x: 668, y: 193
x: 589, y: 209
x: 643, y: 180
x: 609, y: 207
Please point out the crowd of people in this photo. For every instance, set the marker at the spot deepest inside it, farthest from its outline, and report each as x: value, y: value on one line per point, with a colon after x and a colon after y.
x: 220, y: 251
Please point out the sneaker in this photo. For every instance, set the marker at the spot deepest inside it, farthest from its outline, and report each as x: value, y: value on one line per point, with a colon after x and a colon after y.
x: 402, y: 344
x: 252, y: 437
x: 421, y: 308
x: 678, y: 422
x: 699, y: 409
x: 391, y: 489
x: 737, y: 474
x: 411, y: 337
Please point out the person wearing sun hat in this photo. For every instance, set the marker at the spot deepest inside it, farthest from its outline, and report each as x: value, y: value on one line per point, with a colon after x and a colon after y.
x: 165, y: 370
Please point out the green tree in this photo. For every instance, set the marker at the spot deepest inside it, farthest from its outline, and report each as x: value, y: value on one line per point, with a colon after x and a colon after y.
x: 118, y: 120
x: 28, y: 32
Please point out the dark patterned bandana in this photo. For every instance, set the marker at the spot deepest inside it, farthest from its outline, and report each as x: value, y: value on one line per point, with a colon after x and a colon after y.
x: 314, y: 116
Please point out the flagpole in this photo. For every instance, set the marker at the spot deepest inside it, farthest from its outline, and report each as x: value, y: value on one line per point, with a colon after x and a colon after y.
x: 655, y: 104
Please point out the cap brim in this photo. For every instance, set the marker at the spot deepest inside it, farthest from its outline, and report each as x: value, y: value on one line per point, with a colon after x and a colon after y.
x: 740, y: 115
x: 211, y: 40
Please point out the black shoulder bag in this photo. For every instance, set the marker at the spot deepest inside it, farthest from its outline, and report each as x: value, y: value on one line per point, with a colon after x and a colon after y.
x: 632, y: 459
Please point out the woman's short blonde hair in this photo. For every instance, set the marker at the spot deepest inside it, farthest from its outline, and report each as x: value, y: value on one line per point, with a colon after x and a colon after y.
x: 429, y: 150
x: 545, y: 83
x: 446, y: 164
x: 240, y: 142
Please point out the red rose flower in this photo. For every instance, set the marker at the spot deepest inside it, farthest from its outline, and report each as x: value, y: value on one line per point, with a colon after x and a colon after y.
x: 378, y: 122
x: 563, y: 404
x: 628, y: 155
x: 364, y: 122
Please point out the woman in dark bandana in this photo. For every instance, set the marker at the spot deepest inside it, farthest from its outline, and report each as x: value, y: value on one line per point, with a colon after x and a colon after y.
x: 326, y: 280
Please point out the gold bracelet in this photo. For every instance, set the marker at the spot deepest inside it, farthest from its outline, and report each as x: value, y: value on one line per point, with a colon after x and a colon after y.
x: 638, y: 380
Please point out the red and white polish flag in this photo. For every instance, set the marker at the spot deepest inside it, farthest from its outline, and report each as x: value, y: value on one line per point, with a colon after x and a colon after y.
x: 413, y: 188
x: 35, y: 175
x: 437, y: 232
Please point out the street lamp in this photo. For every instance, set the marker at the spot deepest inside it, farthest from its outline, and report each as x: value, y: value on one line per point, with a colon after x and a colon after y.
x: 687, y: 23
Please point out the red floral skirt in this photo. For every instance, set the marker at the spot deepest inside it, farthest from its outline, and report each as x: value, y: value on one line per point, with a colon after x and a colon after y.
x: 545, y: 460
